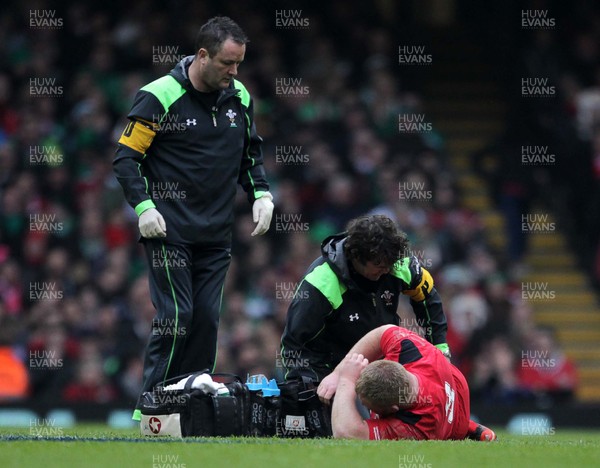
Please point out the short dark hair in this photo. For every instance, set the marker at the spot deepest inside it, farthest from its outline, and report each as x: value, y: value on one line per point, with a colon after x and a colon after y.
x: 375, y: 238
x: 217, y: 30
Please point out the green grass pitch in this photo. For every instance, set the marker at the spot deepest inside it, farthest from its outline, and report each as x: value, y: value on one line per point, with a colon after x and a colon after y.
x: 99, y: 446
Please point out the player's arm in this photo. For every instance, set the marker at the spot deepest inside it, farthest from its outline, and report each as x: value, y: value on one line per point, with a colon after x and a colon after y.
x: 346, y: 421
x: 426, y: 303
x: 252, y: 173
x: 131, y: 150
x: 252, y: 176
x: 369, y: 346
x: 305, y: 322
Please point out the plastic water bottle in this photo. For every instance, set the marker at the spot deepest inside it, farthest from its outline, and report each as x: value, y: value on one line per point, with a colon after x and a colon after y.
x: 272, y: 401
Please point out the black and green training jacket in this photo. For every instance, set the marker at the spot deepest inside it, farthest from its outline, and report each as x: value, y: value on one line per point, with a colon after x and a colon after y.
x: 330, y: 312
x: 184, y: 157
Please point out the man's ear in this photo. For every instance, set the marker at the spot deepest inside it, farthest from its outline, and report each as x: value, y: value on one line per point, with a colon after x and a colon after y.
x: 202, y: 54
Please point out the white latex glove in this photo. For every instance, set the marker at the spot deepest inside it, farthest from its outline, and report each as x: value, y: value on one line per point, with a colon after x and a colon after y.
x: 152, y: 224
x: 262, y: 212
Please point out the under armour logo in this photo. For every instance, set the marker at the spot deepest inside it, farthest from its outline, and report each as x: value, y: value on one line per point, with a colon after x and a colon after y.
x: 189, y: 122
x: 353, y: 317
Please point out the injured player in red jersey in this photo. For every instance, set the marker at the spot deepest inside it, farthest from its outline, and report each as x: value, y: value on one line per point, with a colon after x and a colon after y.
x: 412, y: 393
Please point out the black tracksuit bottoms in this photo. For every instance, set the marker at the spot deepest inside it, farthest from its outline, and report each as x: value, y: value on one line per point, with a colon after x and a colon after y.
x: 186, y: 288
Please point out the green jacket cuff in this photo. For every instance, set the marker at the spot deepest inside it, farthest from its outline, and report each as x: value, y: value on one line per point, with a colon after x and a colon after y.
x: 143, y: 206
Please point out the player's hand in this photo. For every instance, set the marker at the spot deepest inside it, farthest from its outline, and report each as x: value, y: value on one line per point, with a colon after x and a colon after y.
x: 152, y: 224
x: 262, y: 212
x: 351, y: 366
x: 327, y: 387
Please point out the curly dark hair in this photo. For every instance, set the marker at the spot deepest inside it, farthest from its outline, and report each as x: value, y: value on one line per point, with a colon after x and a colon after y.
x: 375, y: 238
x: 217, y: 30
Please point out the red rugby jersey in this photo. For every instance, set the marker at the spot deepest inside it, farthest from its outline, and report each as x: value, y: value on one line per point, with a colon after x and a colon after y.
x: 442, y: 410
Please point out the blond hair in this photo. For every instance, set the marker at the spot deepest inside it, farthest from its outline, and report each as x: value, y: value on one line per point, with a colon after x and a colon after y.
x: 384, y: 384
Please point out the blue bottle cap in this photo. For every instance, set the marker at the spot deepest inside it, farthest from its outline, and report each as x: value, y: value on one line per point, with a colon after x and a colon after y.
x: 271, y: 389
x: 256, y: 382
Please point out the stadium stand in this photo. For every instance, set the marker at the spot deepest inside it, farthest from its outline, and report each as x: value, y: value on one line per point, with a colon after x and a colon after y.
x: 73, y: 286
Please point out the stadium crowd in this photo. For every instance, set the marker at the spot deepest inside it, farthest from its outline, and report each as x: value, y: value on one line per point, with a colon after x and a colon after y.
x: 74, y: 304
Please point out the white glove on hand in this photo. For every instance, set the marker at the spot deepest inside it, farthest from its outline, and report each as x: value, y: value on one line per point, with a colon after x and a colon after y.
x: 152, y: 224
x: 262, y: 212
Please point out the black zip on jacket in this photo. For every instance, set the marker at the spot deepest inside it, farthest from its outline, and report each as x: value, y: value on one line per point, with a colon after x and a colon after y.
x: 185, y: 158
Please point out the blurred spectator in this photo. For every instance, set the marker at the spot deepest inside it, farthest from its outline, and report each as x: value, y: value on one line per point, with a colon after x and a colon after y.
x: 90, y: 383
x: 14, y: 379
x: 545, y: 370
x: 494, y: 378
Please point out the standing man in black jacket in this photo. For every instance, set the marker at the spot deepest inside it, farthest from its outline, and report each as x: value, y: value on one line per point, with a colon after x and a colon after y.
x: 190, y: 139
x: 353, y: 288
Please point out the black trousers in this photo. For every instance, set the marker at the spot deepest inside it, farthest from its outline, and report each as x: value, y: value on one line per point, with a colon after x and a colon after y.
x: 186, y: 288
